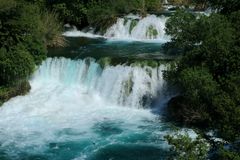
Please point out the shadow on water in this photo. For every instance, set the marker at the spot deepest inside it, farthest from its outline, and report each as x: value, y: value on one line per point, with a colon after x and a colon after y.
x: 130, y: 152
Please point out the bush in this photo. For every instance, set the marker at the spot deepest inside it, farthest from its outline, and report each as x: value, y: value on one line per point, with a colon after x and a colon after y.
x: 184, y: 147
x: 73, y: 11
x: 16, y: 64
x: 207, y: 73
x: 228, y: 155
x: 21, y: 88
x: 52, y: 29
x: 25, y: 32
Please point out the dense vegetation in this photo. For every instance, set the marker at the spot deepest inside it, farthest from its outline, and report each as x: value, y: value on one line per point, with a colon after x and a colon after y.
x: 188, y: 148
x: 25, y: 32
x: 207, y: 73
x: 100, y: 13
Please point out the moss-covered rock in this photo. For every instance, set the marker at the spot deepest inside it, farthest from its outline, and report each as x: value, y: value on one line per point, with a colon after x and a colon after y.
x: 9, y: 92
x: 106, y: 61
x: 125, y: 21
x: 132, y: 61
x: 128, y: 85
x: 142, y: 63
x: 133, y: 24
x: 151, y: 32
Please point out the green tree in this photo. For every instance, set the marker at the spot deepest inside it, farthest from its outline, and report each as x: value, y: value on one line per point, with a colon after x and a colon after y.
x: 226, y: 6
x: 16, y: 64
x: 25, y: 32
x: 207, y: 72
x: 186, y: 148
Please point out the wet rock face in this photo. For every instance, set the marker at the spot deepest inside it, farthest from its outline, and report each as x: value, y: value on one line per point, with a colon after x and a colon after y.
x: 147, y: 100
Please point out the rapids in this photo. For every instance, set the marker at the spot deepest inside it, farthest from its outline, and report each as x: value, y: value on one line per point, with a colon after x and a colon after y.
x: 77, y: 110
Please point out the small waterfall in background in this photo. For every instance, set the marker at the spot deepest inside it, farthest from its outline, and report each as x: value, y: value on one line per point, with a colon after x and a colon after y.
x: 149, y: 27
x: 130, y: 27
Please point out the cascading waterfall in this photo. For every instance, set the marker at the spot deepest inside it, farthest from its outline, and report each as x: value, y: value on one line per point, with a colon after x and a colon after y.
x: 130, y: 27
x: 149, y: 27
x: 120, y: 85
x: 77, y: 110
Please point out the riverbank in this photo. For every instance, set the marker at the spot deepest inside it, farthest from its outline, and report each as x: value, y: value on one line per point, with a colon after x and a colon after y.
x: 6, y: 93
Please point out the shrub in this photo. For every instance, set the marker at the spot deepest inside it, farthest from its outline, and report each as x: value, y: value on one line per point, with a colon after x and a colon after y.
x: 184, y: 147
x: 16, y: 64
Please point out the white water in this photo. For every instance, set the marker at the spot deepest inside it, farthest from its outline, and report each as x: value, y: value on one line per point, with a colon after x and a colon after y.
x: 118, y: 85
x: 76, y: 33
x: 122, y: 30
x: 70, y: 99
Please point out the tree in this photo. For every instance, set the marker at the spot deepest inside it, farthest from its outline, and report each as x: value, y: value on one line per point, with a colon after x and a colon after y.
x: 16, y: 64
x: 207, y: 72
x: 186, y: 148
x: 226, y: 6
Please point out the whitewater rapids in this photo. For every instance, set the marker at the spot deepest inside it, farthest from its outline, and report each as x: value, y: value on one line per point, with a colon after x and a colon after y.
x: 77, y: 110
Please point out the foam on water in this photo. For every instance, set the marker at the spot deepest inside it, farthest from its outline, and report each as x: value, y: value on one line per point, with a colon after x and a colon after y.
x: 76, y: 110
x: 76, y: 33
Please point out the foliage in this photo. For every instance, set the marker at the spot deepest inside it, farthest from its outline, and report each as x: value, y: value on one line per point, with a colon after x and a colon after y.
x: 153, y: 5
x: 52, y: 29
x: 197, y: 86
x: 15, y: 64
x: 25, y: 32
x: 180, y: 2
x: 180, y: 27
x: 18, y: 23
x: 226, y: 6
x: 207, y: 73
x: 225, y: 154
x: 100, y: 13
x: 73, y: 11
x: 184, y: 147
x: 41, y: 3
x: 7, y: 92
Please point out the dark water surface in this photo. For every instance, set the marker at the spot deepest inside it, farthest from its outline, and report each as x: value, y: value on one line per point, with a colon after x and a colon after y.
x: 81, y: 47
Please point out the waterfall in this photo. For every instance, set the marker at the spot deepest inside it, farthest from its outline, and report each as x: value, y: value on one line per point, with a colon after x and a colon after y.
x: 76, y: 110
x: 149, y: 27
x: 131, y: 86
x: 130, y: 27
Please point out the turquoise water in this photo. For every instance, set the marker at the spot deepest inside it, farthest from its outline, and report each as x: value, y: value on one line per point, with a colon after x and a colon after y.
x: 77, y: 110
x: 81, y: 47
